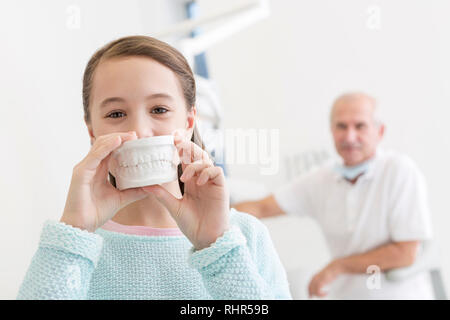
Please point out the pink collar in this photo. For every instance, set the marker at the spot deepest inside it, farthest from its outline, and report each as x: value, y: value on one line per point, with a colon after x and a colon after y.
x: 141, y: 230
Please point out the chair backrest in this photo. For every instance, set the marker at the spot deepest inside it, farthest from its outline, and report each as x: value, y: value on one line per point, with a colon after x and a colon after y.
x: 427, y: 260
x: 438, y: 284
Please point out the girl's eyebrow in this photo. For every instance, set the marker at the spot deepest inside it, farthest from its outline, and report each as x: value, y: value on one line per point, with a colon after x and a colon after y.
x: 110, y: 100
x: 107, y: 101
x: 159, y: 95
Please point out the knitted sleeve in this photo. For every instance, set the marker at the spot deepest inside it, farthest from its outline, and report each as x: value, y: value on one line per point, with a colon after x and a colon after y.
x: 63, y: 264
x: 244, y: 267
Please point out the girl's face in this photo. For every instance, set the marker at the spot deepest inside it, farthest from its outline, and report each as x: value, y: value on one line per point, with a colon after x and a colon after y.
x: 137, y: 94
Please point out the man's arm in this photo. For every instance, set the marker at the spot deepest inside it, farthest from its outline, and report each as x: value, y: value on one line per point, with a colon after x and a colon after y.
x: 386, y: 257
x: 263, y: 208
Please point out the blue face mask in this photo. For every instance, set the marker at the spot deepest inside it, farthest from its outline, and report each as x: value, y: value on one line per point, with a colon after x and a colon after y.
x: 351, y: 173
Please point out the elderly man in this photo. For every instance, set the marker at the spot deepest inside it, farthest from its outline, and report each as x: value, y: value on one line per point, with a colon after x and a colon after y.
x: 372, y: 209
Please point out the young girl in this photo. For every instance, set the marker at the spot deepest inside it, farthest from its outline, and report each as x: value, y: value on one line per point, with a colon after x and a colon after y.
x: 178, y: 240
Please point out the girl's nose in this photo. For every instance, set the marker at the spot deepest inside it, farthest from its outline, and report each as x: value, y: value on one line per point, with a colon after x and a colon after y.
x: 142, y: 128
x: 141, y: 135
x: 144, y: 133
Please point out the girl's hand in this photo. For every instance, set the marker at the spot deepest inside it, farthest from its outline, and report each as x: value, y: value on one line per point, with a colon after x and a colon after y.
x: 92, y: 200
x: 202, y: 213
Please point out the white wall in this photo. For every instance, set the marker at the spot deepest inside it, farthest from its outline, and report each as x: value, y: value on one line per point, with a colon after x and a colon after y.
x: 284, y: 73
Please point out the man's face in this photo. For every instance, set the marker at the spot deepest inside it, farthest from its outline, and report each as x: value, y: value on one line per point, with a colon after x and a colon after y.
x: 356, y: 135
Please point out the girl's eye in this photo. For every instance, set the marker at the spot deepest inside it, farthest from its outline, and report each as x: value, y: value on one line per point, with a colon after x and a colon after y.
x: 114, y: 114
x: 159, y: 110
x: 119, y: 114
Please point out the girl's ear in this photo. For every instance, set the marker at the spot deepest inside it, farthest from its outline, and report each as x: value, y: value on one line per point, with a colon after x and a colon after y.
x: 190, y: 122
x: 91, y: 133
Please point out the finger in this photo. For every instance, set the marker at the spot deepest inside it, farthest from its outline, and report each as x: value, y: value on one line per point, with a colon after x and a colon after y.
x: 193, y: 169
x: 166, y: 198
x: 103, y: 146
x: 131, y: 195
x: 103, y: 170
x: 189, y: 153
x: 213, y: 174
x: 323, y: 291
x: 311, y: 289
x: 317, y: 289
x: 321, y: 294
x: 179, y: 135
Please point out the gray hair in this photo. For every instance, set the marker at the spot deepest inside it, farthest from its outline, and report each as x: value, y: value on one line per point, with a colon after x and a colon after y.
x: 358, y: 94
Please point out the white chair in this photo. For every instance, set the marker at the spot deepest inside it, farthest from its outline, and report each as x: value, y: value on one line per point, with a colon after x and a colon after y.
x: 427, y: 260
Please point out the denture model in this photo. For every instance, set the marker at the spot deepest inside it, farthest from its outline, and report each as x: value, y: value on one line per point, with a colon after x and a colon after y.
x: 144, y: 162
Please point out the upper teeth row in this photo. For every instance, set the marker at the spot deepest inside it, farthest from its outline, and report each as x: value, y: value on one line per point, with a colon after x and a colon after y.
x: 145, y: 159
x: 150, y: 163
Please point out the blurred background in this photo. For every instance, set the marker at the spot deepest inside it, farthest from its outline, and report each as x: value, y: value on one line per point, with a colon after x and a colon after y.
x: 274, y: 66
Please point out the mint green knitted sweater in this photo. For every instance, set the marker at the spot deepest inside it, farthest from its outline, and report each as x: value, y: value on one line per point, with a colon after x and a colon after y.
x: 71, y: 263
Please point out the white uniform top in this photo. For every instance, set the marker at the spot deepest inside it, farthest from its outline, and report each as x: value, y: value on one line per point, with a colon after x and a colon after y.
x: 388, y: 203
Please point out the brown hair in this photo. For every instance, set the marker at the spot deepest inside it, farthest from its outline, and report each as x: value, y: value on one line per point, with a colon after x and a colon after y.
x: 156, y: 50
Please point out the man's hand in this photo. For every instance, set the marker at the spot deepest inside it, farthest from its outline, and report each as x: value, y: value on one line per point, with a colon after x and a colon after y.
x: 386, y: 257
x: 318, y: 284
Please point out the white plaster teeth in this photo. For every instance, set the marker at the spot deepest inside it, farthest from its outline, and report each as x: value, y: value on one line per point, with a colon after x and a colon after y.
x: 149, y: 165
x: 145, y: 162
x: 157, y: 159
